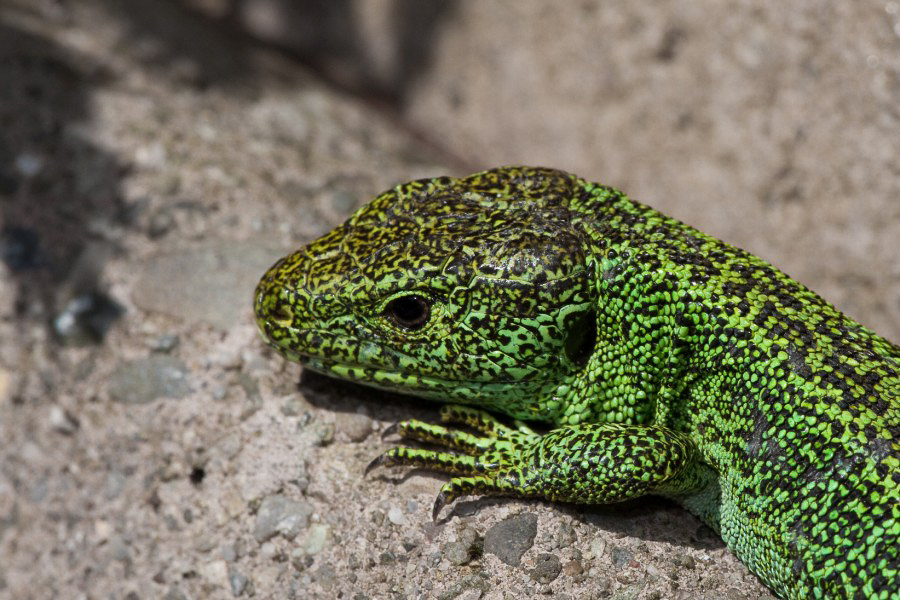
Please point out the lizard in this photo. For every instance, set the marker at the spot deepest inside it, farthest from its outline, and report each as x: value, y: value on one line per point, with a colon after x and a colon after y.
x: 662, y: 360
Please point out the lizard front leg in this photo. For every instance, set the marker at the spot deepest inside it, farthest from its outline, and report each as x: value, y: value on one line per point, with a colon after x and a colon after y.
x: 586, y: 464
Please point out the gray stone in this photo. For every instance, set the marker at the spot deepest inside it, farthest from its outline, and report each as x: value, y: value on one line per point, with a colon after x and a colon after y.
x: 238, y: 583
x: 511, y: 538
x: 281, y: 515
x: 146, y: 379
x: 62, y: 421
x: 620, y: 556
x: 354, y: 426
x: 316, y: 539
x: 467, y: 546
x: 547, y: 568
x: 566, y: 536
x: 208, y: 283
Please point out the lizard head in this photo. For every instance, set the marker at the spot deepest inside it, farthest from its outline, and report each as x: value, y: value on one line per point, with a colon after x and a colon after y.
x: 471, y: 290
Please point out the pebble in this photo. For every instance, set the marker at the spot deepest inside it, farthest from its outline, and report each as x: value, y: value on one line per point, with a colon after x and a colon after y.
x: 228, y: 446
x: 117, y: 548
x: 279, y: 514
x: 229, y: 553
x: 631, y: 592
x: 208, y: 283
x: 165, y: 343
x: 566, y: 536
x: 573, y: 568
x: 324, y: 434
x: 685, y: 561
x: 238, y: 583
x: 396, y: 516
x: 316, y: 539
x: 146, y: 379
x: 20, y: 249
x: 174, y: 593
x: 86, y: 318
x: 467, y: 546
x: 511, y: 538
x: 620, y: 556
x: 28, y: 164
x: 60, y: 420
x: 356, y: 427
x: 457, y: 553
x: 115, y: 483
x: 598, y: 547
x: 216, y: 572
x: 546, y: 569
x: 470, y: 587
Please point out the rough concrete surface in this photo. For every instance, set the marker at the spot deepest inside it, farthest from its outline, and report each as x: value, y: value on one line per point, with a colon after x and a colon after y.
x: 153, y: 164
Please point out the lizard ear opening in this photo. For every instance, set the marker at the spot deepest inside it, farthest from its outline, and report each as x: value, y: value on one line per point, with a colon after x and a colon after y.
x: 581, y: 337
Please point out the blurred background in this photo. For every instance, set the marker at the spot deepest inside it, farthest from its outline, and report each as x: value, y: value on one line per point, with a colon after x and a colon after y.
x: 157, y: 155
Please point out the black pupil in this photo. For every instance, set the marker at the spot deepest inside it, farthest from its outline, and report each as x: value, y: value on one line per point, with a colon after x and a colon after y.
x: 410, y: 312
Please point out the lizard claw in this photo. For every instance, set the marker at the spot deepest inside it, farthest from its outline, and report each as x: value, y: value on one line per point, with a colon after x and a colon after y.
x: 379, y: 461
x: 390, y: 429
x: 439, y: 503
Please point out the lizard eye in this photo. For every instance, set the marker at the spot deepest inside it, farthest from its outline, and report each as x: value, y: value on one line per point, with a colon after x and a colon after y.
x: 409, y: 312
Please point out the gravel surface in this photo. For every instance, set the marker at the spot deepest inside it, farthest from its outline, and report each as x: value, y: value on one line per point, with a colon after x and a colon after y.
x: 153, y: 447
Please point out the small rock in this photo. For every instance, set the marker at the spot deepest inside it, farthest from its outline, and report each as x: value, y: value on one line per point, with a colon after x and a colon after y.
x: 228, y: 446
x: 268, y: 550
x: 160, y: 222
x: 86, y: 318
x: 472, y: 586
x: 208, y: 283
x: 174, y: 593
x: 343, y: 202
x: 20, y: 249
x: 215, y: 572
x: 684, y: 560
x: 146, y: 379
x: 152, y: 156
x: 118, y: 549
x: 28, y: 164
x: 165, y: 343
x: 566, y: 536
x: 620, y: 556
x: 294, y: 405
x: 324, y: 434
x: 39, y: 490
x: 102, y: 530
x: 354, y: 426
x: 573, y: 568
x: 326, y: 576
x: 115, y: 483
x: 598, y: 547
x: 511, y: 538
x: 631, y: 592
x: 238, y: 583
x: 279, y: 514
x: 547, y: 568
x: 61, y: 421
x: 467, y: 546
x: 316, y: 539
x: 229, y: 553
x: 396, y: 516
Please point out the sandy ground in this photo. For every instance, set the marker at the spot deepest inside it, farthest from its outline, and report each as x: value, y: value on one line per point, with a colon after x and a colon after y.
x: 152, y: 446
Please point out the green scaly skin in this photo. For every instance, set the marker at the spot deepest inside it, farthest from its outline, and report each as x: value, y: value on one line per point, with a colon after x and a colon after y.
x: 666, y: 361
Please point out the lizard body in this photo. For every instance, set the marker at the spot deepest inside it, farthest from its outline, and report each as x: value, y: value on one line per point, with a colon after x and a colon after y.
x: 666, y: 362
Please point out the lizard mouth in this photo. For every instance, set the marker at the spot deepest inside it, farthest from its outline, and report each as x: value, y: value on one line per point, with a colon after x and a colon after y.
x: 409, y: 383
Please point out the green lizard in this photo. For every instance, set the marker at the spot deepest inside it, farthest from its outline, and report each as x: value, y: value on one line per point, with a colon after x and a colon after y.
x: 666, y: 361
